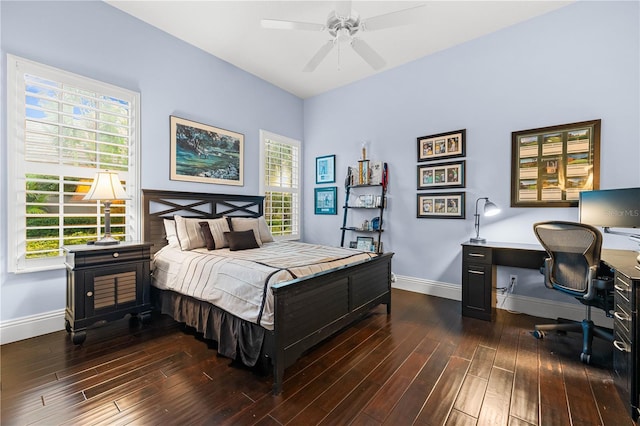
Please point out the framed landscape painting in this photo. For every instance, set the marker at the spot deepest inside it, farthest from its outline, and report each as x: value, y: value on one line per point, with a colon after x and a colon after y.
x: 207, y: 154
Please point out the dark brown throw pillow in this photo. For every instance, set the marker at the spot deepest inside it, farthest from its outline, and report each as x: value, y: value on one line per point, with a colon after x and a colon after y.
x: 241, y: 240
x: 208, y: 236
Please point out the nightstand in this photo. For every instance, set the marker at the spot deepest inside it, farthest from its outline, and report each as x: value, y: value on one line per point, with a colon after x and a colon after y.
x: 104, y: 283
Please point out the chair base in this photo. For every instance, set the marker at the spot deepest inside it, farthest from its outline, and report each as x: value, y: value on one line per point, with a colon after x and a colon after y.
x: 586, y: 327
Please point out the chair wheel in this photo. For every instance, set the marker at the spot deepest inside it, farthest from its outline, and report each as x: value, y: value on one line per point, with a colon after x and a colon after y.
x: 585, y: 358
x: 537, y: 334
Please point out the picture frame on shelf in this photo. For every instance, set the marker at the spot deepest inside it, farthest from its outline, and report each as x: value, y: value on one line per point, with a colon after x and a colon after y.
x: 441, y: 175
x: 326, y: 169
x: 442, y: 145
x: 205, y: 154
x: 550, y: 166
x: 325, y: 200
x: 364, y: 243
x: 441, y: 205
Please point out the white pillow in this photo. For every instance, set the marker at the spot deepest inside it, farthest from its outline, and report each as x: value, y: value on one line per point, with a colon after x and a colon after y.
x: 265, y: 232
x: 170, y: 233
x: 189, y: 234
x: 245, y: 223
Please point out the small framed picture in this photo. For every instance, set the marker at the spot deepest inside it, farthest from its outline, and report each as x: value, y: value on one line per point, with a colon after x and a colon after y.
x: 441, y: 175
x: 364, y: 243
x: 326, y: 200
x: 442, y: 145
x: 326, y: 169
x: 441, y: 205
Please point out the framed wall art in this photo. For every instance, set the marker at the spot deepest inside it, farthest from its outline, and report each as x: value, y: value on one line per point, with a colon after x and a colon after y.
x: 326, y: 201
x: 365, y: 243
x: 326, y: 169
x: 442, y: 145
x: 550, y: 166
x: 441, y: 175
x: 441, y: 205
x: 207, y: 154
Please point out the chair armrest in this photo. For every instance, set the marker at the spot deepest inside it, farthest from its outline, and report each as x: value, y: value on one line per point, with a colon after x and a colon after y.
x: 548, y: 266
x: 591, y: 283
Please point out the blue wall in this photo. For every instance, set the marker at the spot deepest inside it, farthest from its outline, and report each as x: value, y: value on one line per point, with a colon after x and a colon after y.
x: 578, y: 63
x: 98, y: 41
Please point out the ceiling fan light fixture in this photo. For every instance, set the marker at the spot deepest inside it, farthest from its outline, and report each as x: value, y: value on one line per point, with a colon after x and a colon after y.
x: 338, y: 26
x: 343, y: 24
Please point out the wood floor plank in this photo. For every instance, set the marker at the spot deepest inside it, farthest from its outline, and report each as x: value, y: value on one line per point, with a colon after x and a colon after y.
x: 440, y: 402
x: 553, y: 395
x: 606, y: 396
x: 524, y: 400
x: 482, y: 362
x: 422, y: 364
x: 583, y: 409
x: 497, y: 398
x: 468, y: 401
x: 412, y: 401
x: 458, y: 418
x: 383, y: 402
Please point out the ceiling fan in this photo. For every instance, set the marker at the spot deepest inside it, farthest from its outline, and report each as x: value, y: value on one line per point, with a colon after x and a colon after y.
x: 343, y: 24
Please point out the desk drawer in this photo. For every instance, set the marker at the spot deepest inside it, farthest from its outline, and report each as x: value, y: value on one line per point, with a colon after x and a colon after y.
x: 623, y: 290
x: 623, y: 321
x: 476, y: 254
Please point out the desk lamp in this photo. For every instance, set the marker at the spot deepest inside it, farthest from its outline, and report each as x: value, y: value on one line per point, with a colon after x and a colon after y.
x: 106, y: 187
x: 490, y: 209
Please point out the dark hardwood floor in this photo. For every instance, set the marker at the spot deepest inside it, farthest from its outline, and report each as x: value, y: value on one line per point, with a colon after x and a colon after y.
x: 424, y: 364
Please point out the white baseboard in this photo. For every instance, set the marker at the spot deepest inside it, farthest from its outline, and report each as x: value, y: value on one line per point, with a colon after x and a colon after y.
x: 542, y: 308
x: 432, y: 288
x: 31, y: 326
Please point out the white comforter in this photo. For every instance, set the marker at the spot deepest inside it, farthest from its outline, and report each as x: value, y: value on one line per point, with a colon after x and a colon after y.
x: 235, y: 280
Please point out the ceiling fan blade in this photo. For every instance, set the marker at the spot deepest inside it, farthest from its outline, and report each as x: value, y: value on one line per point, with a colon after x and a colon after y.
x: 319, y: 56
x: 368, y: 54
x: 388, y: 20
x: 343, y: 8
x: 290, y: 25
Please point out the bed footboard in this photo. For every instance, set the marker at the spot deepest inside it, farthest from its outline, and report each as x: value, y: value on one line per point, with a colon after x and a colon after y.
x: 338, y: 298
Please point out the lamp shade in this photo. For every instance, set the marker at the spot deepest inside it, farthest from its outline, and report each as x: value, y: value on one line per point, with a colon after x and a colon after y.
x: 490, y: 209
x: 106, y: 186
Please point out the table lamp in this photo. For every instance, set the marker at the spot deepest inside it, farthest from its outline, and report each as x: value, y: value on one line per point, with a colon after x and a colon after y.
x: 106, y: 187
x: 490, y: 209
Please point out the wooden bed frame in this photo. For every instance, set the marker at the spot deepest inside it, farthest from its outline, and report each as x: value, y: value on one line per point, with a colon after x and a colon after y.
x: 306, y: 310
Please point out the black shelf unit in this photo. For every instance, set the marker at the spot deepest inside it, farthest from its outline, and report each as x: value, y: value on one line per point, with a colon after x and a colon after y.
x: 379, y: 207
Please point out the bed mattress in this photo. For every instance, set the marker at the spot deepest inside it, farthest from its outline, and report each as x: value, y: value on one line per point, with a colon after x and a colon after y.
x: 239, y: 281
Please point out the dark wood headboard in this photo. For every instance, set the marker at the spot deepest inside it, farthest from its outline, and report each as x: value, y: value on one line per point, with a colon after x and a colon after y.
x: 159, y: 205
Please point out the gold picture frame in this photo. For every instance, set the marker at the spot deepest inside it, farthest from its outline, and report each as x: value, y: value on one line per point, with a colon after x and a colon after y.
x: 550, y: 166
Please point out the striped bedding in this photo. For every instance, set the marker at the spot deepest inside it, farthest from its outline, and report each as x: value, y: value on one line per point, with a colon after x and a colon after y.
x: 239, y: 281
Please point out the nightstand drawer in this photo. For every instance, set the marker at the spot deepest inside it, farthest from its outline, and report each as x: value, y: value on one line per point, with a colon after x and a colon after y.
x: 106, y: 256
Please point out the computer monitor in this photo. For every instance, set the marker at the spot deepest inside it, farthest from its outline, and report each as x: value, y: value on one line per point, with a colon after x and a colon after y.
x: 611, y: 208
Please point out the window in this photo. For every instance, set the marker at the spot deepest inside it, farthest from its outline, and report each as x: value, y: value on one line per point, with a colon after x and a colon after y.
x: 280, y: 184
x: 62, y: 129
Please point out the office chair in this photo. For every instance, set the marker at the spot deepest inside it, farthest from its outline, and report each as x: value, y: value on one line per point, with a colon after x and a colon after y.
x: 572, y: 268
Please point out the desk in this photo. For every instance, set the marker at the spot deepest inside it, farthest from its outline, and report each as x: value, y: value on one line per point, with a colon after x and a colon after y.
x: 478, y: 281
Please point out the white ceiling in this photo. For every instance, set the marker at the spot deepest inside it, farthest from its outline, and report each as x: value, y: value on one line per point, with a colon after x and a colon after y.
x: 231, y: 30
